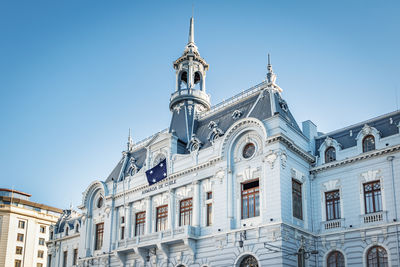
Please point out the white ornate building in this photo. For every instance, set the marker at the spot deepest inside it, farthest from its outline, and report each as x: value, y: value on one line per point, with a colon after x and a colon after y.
x: 244, y: 186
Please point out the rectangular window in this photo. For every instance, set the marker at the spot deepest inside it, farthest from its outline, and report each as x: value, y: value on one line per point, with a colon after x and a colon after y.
x: 43, y: 229
x: 372, y: 197
x: 75, y: 259
x: 21, y: 224
x: 18, y: 250
x: 140, y: 223
x: 99, y: 236
x: 65, y: 258
x: 122, y: 232
x: 41, y: 241
x: 332, y: 204
x: 39, y: 264
x: 185, y: 212
x: 18, y: 263
x: 250, y: 199
x: 162, y: 218
x: 209, y: 214
x: 297, y: 200
x: 49, y: 260
x: 209, y: 195
x: 40, y: 254
x: 20, y: 237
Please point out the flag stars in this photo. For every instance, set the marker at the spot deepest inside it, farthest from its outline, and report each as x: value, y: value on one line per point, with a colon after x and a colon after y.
x: 165, y: 174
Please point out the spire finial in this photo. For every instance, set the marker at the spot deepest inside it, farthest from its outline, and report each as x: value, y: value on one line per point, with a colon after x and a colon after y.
x: 130, y: 141
x: 191, y: 31
x: 271, y: 76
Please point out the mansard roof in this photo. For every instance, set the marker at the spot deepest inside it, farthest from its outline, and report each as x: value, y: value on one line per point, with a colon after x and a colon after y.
x: 386, y: 124
x: 69, y: 217
x: 260, y: 102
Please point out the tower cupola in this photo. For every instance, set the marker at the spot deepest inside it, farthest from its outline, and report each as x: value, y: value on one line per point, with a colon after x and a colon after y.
x: 190, y: 97
x: 190, y: 74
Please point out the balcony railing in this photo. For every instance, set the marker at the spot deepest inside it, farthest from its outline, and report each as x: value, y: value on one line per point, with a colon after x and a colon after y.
x: 183, y: 232
x: 374, y: 217
x: 333, y: 224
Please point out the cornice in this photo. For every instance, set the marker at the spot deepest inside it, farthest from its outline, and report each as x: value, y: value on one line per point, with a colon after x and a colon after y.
x: 360, y: 157
x: 292, y: 146
x: 172, y: 176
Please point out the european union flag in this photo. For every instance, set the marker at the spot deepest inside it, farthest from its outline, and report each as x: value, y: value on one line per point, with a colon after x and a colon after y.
x: 157, y: 173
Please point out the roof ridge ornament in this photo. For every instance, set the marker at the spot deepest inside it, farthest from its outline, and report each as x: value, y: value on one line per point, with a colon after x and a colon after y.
x: 271, y: 76
x: 130, y: 141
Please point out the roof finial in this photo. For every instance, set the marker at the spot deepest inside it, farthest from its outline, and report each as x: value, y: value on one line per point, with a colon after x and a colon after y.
x: 271, y: 76
x: 191, y: 31
x: 130, y: 141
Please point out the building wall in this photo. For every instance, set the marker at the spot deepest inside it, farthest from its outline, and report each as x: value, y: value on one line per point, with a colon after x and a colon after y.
x: 11, y: 215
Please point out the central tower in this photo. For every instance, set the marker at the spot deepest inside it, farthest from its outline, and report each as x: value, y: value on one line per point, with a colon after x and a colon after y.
x: 190, y: 95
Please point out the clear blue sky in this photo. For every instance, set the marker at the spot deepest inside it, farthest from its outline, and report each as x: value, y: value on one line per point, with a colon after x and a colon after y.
x: 75, y: 75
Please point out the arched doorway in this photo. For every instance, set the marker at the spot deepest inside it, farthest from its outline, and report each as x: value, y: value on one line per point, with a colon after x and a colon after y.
x: 249, y: 261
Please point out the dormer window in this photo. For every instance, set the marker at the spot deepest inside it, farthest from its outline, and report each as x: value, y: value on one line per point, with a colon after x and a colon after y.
x: 330, y: 154
x: 368, y: 143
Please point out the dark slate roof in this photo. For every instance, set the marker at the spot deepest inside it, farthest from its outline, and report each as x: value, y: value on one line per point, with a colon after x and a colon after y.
x: 223, y: 118
x: 139, y: 156
x: 381, y: 123
x: 65, y: 220
x: 256, y: 103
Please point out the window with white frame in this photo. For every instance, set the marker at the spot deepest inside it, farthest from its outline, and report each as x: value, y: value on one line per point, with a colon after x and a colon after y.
x: 372, y: 197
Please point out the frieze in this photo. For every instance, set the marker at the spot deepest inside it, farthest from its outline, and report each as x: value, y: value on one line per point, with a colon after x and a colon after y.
x: 158, y: 186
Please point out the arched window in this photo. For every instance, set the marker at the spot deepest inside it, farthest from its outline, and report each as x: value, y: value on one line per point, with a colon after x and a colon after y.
x: 249, y: 261
x: 197, y: 81
x: 66, y: 230
x: 377, y: 257
x: 335, y: 259
x: 368, y: 143
x: 183, y: 80
x: 330, y: 154
x: 77, y: 228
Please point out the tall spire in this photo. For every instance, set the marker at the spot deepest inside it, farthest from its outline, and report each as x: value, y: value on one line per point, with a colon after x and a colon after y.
x: 191, y: 31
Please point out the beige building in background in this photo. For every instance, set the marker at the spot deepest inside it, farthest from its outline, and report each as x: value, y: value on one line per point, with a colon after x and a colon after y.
x: 24, y: 229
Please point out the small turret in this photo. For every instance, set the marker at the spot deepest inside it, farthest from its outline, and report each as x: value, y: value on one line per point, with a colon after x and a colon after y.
x: 190, y: 92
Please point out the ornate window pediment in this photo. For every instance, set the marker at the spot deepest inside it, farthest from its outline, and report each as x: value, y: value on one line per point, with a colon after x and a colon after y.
x: 215, y: 132
x: 367, y: 138
x: 133, y: 168
x: 328, y: 149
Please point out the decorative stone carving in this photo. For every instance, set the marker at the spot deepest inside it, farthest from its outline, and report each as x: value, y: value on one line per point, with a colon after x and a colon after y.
x: 215, y: 132
x: 370, y: 175
x: 194, y: 144
x: 236, y: 114
x: 271, y: 158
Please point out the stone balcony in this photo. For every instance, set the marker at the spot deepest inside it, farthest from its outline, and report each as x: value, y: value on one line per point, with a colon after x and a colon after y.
x: 180, y: 234
x: 376, y: 217
x: 336, y: 224
x: 190, y: 94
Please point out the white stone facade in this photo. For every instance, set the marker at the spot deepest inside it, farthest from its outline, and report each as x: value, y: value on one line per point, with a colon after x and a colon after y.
x: 205, y: 153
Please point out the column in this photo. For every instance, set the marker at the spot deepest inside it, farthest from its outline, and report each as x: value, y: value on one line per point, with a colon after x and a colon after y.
x: 128, y: 221
x: 196, y: 203
x: 148, y: 215
x: 230, y: 203
x: 171, y: 210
